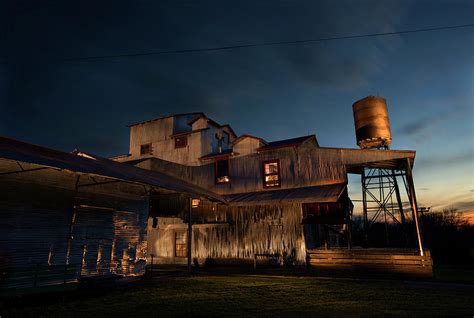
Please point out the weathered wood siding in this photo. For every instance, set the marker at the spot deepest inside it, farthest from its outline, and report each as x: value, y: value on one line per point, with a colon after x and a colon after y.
x: 45, y: 225
x: 201, y: 141
x: 231, y: 234
x: 247, y: 146
x: 299, y: 168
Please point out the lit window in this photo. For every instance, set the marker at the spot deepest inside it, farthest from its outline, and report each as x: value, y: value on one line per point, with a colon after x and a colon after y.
x: 180, y: 244
x: 271, y: 174
x: 222, y: 171
x: 146, y: 149
x: 180, y: 142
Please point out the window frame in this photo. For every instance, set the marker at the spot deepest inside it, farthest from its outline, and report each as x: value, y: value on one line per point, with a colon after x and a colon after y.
x: 150, y: 147
x: 215, y: 171
x: 265, y: 186
x: 176, y: 138
x: 185, y: 244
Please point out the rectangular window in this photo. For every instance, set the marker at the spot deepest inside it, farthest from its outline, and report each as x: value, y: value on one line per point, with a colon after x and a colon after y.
x: 146, y: 149
x: 180, y: 244
x: 222, y: 171
x: 180, y: 142
x: 271, y: 174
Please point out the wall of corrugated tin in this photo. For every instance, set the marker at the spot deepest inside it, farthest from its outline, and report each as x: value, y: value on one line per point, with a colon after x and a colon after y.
x: 233, y: 233
x: 40, y: 209
x: 300, y: 167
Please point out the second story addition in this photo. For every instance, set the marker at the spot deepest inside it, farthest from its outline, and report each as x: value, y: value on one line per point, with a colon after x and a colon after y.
x: 183, y: 139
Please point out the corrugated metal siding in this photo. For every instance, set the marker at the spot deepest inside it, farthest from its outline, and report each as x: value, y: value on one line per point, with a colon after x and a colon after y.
x: 37, y: 210
x: 299, y: 168
x: 234, y: 233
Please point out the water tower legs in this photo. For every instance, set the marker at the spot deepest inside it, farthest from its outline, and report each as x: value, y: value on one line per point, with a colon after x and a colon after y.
x: 381, y: 201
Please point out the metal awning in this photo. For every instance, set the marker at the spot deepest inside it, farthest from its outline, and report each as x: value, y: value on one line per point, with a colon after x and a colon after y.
x: 14, y: 150
x: 314, y: 194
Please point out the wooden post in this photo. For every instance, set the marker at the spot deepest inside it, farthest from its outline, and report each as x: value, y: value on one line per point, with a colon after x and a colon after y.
x: 151, y: 266
x: 414, y: 208
x: 349, y: 228
x: 190, y: 233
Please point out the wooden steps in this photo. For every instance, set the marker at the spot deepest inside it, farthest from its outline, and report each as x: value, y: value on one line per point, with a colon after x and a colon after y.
x: 372, y: 261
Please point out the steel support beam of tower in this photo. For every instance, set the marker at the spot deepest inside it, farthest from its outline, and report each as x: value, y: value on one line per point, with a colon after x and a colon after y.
x: 379, y: 191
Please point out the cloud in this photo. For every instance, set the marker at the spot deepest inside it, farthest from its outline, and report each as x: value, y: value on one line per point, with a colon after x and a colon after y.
x: 423, y: 123
x: 461, y: 206
x: 449, y: 159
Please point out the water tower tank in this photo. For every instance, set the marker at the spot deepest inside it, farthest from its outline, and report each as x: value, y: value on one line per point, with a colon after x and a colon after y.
x: 371, y: 122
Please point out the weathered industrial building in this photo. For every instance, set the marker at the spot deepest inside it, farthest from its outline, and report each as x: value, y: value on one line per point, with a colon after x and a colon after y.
x: 284, y: 199
x: 66, y: 216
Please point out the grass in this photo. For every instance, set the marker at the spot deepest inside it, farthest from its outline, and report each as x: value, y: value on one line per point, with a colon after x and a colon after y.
x: 454, y: 273
x: 265, y: 296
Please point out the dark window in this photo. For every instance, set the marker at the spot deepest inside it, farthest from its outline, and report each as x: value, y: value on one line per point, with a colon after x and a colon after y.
x: 222, y: 171
x: 226, y: 137
x: 180, y: 142
x: 271, y: 174
x: 180, y: 244
x: 146, y: 149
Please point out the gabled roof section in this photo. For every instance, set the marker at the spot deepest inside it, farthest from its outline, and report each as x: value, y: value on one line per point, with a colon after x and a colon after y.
x: 230, y: 129
x: 168, y: 116
x: 84, y: 163
x: 293, y: 142
x: 201, y: 115
x: 242, y: 137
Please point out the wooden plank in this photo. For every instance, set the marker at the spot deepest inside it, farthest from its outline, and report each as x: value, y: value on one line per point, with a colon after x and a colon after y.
x: 348, y: 256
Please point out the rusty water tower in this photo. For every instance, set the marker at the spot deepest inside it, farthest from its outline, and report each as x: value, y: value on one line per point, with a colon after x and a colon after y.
x: 371, y: 121
x: 380, y: 191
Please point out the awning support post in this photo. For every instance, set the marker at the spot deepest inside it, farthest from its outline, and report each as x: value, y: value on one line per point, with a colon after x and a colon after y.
x: 190, y: 233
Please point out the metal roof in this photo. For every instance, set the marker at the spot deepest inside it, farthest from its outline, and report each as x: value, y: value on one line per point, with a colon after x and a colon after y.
x: 242, y: 137
x: 356, y: 159
x: 163, y: 117
x: 314, y: 194
x: 286, y: 143
x: 15, y: 150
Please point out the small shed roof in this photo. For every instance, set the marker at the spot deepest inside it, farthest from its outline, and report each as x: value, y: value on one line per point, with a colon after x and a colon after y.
x: 15, y: 150
x: 314, y: 194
